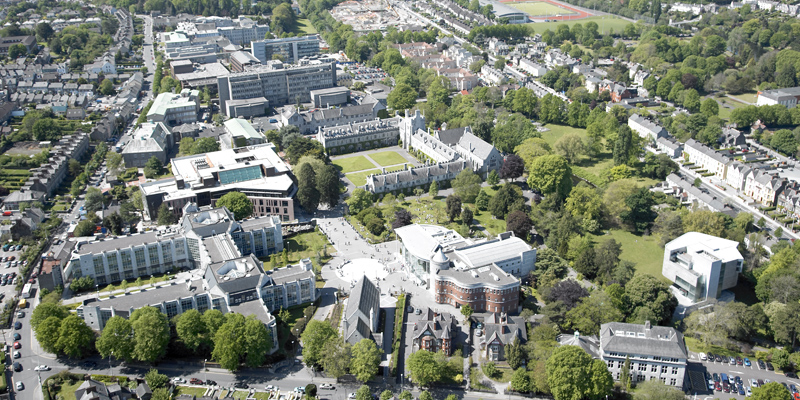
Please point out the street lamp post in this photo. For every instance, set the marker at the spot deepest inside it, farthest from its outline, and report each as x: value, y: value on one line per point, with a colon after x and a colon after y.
x: 205, y: 371
x: 111, y: 368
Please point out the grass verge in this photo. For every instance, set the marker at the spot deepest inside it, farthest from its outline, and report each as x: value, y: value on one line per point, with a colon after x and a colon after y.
x: 352, y: 164
x: 386, y: 158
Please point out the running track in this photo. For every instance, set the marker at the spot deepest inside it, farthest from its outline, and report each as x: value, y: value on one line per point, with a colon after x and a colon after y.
x: 579, y: 14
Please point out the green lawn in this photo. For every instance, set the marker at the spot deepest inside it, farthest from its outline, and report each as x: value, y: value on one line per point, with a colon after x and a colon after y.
x: 360, y: 178
x: 540, y: 8
x: 724, y: 111
x: 645, y: 251
x: 556, y: 131
x: 386, y: 158
x: 304, y: 26
x: 605, y: 23
x: 196, y: 391
x: 304, y: 245
x: 67, y: 392
x: 697, y: 346
x: 749, y: 97
x: 352, y: 164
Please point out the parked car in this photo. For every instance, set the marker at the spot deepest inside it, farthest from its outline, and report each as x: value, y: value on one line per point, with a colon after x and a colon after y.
x: 195, y: 381
x: 17, y: 366
x: 17, y: 354
x: 17, y: 345
x: 732, y: 360
x: 739, y: 361
x: 300, y: 389
x: 211, y: 383
x: 271, y: 388
x: 702, y: 356
x: 771, y: 368
x: 178, y: 380
x: 747, y: 362
x: 17, y: 336
x: 716, y: 377
x: 42, y: 368
x: 20, y: 386
x: 719, y: 358
x: 326, y: 386
x: 17, y: 325
x: 351, y: 396
x: 21, y: 314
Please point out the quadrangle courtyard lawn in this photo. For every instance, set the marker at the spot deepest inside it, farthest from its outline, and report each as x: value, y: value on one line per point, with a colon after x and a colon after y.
x: 539, y: 8
x: 352, y: 164
x: 360, y: 178
x: 387, y: 158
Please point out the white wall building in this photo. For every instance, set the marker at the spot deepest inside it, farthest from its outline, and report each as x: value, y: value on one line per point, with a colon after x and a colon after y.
x: 702, y: 266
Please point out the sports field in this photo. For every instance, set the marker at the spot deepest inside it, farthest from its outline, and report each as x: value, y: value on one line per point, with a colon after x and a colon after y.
x: 539, y: 8
x: 605, y: 23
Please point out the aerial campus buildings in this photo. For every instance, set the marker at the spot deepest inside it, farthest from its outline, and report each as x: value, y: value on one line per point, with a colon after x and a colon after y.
x: 256, y: 171
x: 220, y: 255
x: 459, y: 271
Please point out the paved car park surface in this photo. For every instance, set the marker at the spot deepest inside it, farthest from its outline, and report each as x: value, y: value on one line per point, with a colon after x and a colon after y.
x: 8, y: 266
x: 746, y: 373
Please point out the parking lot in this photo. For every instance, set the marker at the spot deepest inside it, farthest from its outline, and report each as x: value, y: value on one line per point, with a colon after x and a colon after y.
x: 745, y: 373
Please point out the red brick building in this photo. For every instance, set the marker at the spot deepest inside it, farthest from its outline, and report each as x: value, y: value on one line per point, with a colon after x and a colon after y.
x: 434, y: 331
x: 486, y: 289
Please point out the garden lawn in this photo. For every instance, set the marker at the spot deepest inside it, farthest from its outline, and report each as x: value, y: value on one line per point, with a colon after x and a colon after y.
x: 196, y: 391
x: 749, y: 97
x: 67, y: 392
x: 724, y: 111
x: 697, y: 346
x: 386, y: 158
x: 352, y: 164
x: 605, y: 23
x: 303, y: 25
x: 540, y: 8
x: 304, y: 245
x: 360, y: 178
x: 556, y: 131
x: 645, y: 251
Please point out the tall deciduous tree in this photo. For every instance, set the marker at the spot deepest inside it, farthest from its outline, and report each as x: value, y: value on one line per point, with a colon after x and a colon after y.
x: 770, y: 391
x: 336, y: 357
x: 551, y: 174
x: 423, y: 368
x: 75, y: 338
x: 191, y: 329
x: 228, y: 349
x: 593, y: 311
x: 513, y: 165
x: 467, y: 185
x: 573, y: 375
x: 257, y: 342
x: 366, y: 358
x: 151, y: 334
x: 519, y: 223
x: 237, y: 203
x: 116, y: 339
x: 314, y: 337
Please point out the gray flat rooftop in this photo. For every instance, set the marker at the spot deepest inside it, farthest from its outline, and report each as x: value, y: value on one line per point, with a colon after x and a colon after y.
x: 120, y: 242
x: 152, y: 296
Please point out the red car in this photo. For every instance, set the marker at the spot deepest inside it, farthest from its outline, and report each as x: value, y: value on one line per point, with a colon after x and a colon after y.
x: 17, y: 345
x: 195, y: 381
x: 717, y: 386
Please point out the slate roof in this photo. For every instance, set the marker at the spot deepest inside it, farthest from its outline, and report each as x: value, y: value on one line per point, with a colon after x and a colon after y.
x: 496, y: 327
x: 646, y: 340
x: 475, y: 145
x: 451, y: 136
x: 364, y: 297
x: 439, y: 325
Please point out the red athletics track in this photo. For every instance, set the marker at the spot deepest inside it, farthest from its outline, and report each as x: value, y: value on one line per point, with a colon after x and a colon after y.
x: 578, y: 13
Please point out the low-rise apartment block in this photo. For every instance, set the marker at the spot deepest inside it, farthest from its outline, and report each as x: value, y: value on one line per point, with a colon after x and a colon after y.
x: 646, y: 129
